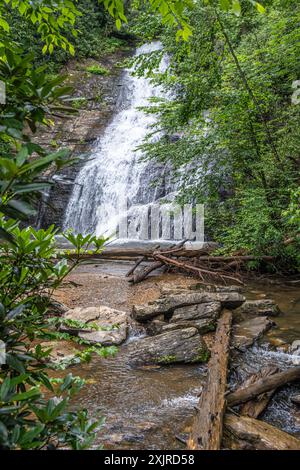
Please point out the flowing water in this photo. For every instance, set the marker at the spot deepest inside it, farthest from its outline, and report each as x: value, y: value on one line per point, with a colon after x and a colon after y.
x: 147, y: 408
x: 115, y: 171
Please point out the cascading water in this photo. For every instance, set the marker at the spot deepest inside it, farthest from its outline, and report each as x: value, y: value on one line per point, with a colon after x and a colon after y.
x: 115, y: 169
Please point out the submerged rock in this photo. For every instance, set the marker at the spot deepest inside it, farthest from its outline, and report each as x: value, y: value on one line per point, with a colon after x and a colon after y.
x: 62, y: 352
x: 179, y: 346
x: 167, y: 305
x: 248, y: 331
x: 262, y: 307
x: 105, y: 325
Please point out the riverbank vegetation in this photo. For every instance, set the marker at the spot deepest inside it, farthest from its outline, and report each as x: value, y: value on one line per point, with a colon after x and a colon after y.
x: 230, y: 120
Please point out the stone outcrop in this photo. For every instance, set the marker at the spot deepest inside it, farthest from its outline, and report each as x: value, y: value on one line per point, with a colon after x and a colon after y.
x: 104, y: 326
x: 174, y: 347
x: 201, y: 316
x: 167, y: 305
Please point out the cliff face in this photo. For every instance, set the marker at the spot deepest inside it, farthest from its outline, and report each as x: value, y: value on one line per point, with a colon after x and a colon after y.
x: 96, y: 101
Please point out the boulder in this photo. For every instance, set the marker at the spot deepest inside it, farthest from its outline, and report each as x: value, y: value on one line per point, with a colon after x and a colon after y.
x: 179, y: 346
x: 201, y: 316
x: 105, y: 325
x: 248, y: 331
x: 167, y: 305
x: 255, y: 308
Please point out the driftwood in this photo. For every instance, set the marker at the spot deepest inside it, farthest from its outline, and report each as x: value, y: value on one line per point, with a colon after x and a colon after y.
x: 177, y: 257
x: 195, y: 270
x: 141, y: 275
x: 253, y: 408
x: 260, y: 435
x: 263, y: 385
x: 208, y: 423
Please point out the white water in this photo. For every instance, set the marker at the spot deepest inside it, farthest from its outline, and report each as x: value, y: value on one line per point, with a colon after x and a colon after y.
x: 115, y: 170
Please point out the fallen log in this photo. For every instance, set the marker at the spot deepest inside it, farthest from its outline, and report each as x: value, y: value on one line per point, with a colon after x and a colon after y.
x: 141, y: 275
x: 263, y: 385
x: 195, y: 270
x: 208, y: 423
x: 137, y: 263
x: 253, y: 408
x: 260, y: 435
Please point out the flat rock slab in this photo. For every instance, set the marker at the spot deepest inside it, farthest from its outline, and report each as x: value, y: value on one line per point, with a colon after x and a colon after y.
x: 261, y: 307
x: 174, y: 347
x: 248, y: 331
x: 201, y: 316
x: 167, y: 305
x: 109, y: 326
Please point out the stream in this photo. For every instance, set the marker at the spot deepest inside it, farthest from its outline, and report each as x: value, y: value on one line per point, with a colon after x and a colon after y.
x: 146, y: 408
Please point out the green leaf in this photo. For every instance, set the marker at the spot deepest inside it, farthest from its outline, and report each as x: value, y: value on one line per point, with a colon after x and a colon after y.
x: 4, y: 25
x: 260, y: 7
x: 236, y: 7
x: 33, y: 392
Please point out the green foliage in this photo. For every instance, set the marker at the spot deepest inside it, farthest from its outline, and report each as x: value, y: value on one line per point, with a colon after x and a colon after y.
x: 28, y: 418
x: 97, y: 69
x: 236, y: 128
x: 79, y: 103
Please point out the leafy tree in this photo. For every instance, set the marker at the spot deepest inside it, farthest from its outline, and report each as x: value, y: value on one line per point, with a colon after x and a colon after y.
x: 236, y: 127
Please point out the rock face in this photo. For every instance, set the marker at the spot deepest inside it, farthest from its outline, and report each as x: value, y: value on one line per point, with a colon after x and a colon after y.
x: 167, y: 305
x: 179, y: 346
x: 108, y: 326
x: 247, y: 332
x: 262, y: 307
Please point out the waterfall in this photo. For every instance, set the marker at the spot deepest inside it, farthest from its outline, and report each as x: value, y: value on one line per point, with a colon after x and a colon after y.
x: 115, y: 169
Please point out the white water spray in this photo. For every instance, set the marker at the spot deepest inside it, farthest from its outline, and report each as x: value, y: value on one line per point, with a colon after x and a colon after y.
x: 115, y: 169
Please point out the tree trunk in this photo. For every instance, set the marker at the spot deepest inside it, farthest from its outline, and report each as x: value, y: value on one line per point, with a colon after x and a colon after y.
x: 258, y: 434
x: 208, y: 423
x: 263, y: 385
x: 255, y: 407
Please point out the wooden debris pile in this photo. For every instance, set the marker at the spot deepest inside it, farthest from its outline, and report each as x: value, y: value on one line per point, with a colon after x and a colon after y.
x: 200, y: 263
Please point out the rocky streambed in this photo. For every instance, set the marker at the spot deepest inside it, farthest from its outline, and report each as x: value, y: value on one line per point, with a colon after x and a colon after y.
x: 148, y: 391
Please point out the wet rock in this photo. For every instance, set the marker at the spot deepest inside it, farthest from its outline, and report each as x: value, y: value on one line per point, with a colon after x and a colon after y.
x: 62, y: 352
x: 248, y: 331
x: 179, y: 346
x: 108, y: 326
x: 262, y: 307
x: 155, y: 327
x: 201, y: 316
x: 295, y: 347
x: 295, y: 399
x: 294, y: 350
x: 167, y: 305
